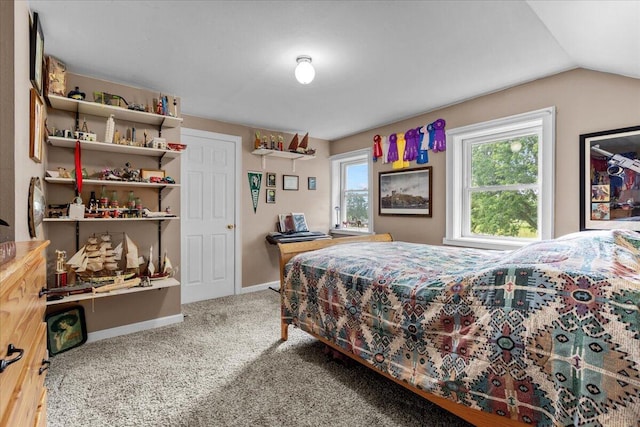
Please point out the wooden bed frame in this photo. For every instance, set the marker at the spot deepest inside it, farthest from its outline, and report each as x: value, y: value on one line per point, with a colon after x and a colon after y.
x: 473, y: 416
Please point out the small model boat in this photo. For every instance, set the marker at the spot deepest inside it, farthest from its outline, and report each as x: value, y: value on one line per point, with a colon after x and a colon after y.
x: 294, y: 143
x: 166, y: 268
x: 303, y: 147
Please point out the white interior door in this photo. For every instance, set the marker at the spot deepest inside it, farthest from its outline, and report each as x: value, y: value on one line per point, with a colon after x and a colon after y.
x: 208, y: 215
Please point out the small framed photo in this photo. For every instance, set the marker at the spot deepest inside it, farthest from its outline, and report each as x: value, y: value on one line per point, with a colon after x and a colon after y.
x: 311, y: 183
x: 299, y: 222
x: 290, y: 182
x: 66, y: 329
x: 600, y: 193
x: 271, y: 195
x: 286, y: 223
x: 271, y: 179
x: 151, y: 173
x: 36, y: 126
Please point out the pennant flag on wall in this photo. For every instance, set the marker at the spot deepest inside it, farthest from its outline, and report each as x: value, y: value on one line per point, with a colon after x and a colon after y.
x: 255, y: 179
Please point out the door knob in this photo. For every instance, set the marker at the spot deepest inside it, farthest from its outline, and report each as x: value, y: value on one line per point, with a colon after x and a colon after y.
x: 231, y: 226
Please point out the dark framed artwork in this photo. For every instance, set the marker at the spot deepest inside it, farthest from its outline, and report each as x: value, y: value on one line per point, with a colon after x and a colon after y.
x: 271, y: 195
x: 311, y: 183
x: 36, y: 53
x: 66, y: 329
x: 36, y: 126
x: 271, y: 179
x: 610, y: 179
x: 405, y: 192
x: 290, y: 182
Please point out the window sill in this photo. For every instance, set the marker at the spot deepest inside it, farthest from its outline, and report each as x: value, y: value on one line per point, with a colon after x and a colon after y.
x: 485, y: 243
x: 348, y: 232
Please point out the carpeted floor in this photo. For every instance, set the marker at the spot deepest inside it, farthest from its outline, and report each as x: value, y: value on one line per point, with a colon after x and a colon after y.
x: 225, y: 366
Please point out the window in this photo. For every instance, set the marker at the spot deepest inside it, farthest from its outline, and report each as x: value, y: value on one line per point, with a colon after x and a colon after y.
x: 500, y: 181
x: 351, y: 192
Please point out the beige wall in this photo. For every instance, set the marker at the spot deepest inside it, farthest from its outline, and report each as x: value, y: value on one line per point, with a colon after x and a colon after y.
x: 260, y: 259
x: 24, y: 167
x: 7, y: 124
x: 586, y: 101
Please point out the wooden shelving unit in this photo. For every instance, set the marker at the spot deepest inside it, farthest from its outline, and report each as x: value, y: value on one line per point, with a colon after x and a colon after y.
x: 100, y: 153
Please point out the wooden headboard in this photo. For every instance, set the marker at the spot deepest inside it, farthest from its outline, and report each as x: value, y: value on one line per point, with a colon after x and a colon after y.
x: 289, y: 250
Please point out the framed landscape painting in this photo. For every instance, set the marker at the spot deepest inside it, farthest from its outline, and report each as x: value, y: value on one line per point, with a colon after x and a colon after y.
x: 405, y: 192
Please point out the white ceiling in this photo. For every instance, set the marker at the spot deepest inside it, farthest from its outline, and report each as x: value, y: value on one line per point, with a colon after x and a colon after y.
x: 376, y: 61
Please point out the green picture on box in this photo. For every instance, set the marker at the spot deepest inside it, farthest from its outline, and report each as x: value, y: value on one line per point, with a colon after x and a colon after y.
x: 65, y: 330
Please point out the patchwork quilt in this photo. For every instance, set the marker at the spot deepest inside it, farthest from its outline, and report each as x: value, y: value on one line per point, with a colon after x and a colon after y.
x: 548, y: 334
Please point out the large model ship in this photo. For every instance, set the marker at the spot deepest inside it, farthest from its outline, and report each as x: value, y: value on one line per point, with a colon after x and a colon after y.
x: 99, y: 262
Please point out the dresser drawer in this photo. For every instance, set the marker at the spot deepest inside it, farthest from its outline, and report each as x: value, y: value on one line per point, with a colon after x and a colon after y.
x: 20, y: 301
x: 21, y: 317
x: 41, y: 412
x: 25, y: 399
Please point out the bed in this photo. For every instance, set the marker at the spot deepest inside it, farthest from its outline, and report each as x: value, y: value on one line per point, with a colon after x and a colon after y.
x: 548, y: 334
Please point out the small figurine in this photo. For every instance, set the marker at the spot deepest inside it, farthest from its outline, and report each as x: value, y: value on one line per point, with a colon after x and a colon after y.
x: 76, y: 94
x: 61, y: 274
x: 256, y: 142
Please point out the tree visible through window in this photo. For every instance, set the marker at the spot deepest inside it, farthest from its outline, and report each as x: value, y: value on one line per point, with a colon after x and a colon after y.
x: 504, y: 196
x: 351, y: 191
x: 500, y: 181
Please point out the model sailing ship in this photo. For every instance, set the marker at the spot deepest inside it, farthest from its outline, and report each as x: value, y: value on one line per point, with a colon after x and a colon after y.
x: 97, y: 267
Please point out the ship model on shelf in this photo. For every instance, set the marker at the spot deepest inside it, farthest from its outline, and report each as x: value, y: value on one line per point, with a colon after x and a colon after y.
x: 302, y: 146
x: 98, y: 267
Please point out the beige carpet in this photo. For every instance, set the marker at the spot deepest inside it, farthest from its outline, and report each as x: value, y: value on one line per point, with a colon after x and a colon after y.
x: 225, y: 366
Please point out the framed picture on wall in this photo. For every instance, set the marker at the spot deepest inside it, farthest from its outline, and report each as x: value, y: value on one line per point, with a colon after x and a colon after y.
x: 610, y: 179
x: 36, y: 50
x: 290, y: 182
x: 271, y: 179
x: 271, y: 195
x: 36, y: 126
x: 311, y: 183
x: 405, y: 192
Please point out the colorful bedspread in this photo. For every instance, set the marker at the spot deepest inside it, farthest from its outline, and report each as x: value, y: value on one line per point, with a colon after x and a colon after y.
x: 548, y: 334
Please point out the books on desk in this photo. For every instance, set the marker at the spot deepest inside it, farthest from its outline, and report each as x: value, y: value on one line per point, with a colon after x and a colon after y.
x: 300, y: 236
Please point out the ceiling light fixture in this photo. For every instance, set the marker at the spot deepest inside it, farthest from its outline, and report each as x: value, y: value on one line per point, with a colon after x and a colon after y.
x: 304, y: 70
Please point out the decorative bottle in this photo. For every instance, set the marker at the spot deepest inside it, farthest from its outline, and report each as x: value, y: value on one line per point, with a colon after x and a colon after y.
x: 114, y: 199
x: 131, y: 203
x: 104, y: 199
x: 111, y: 127
x: 93, y: 203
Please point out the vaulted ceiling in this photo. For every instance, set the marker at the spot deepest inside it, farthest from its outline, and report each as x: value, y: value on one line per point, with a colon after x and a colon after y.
x: 376, y: 61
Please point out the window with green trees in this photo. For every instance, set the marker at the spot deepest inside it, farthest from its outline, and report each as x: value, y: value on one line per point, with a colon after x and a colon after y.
x: 500, y: 181
x: 351, y: 191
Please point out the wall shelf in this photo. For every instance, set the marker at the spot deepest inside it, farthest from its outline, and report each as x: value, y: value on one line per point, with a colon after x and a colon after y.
x: 163, y: 218
x: 110, y: 183
x: 265, y: 152
x: 112, y: 148
x: 156, y: 284
x: 101, y: 110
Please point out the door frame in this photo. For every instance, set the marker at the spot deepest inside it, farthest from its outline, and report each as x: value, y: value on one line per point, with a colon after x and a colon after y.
x: 237, y: 142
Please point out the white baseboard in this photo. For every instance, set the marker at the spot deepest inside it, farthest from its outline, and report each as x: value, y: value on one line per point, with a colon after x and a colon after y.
x: 260, y: 287
x: 134, y: 327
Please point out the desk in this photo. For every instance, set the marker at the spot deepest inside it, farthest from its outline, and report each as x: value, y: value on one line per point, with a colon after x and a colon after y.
x: 301, y: 236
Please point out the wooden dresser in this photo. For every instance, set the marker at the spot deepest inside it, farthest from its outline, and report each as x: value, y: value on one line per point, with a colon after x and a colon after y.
x: 23, y: 337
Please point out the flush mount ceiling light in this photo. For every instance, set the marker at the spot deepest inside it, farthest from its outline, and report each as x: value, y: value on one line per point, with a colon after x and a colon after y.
x: 304, y: 70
